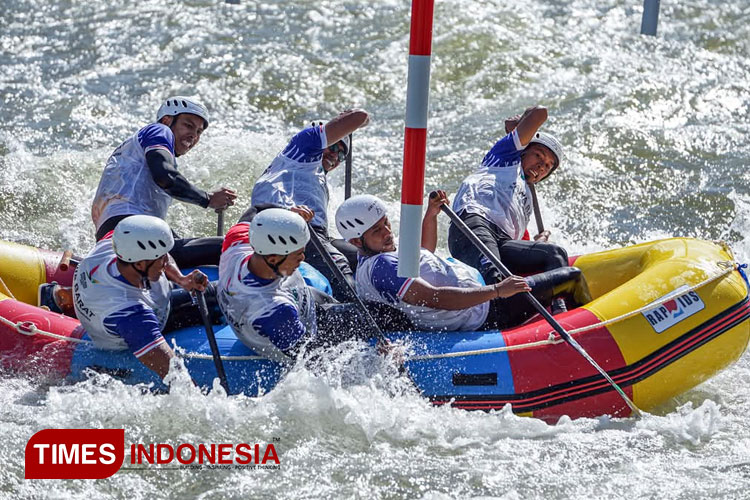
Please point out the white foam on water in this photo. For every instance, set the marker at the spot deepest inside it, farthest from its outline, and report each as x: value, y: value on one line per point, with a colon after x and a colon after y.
x: 655, y: 135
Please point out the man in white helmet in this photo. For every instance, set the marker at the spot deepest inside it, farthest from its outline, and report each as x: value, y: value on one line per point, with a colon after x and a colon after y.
x: 122, y: 290
x: 448, y: 294
x: 141, y: 177
x: 261, y: 291
x: 265, y: 298
x: 495, y: 202
x: 297, y: 176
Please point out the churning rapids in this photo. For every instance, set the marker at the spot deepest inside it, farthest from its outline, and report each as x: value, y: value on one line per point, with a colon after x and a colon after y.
x: 655, y: 130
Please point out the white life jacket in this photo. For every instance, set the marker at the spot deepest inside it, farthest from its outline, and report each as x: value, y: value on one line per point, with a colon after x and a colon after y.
x: 97, y: 294
x: 292, y: 179
x: 243, y: 304
x: 498, y: 191
x: 437, y: 272
x: 127, y: 186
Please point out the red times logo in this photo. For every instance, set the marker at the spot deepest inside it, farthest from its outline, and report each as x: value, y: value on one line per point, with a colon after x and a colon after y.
x: 74, y: 453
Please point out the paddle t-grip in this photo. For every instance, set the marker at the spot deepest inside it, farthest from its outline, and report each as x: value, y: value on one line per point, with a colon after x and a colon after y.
x: 65, y: 260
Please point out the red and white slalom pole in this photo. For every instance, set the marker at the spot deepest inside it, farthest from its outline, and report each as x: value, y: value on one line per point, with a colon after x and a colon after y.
x: 415, y: 140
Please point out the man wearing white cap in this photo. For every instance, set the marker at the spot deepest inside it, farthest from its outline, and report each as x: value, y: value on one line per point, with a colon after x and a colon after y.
x: 123, y: 294
x: 448, y: 295
x: 495, y: 202
x: 141, y: 178
x: 263, y: 295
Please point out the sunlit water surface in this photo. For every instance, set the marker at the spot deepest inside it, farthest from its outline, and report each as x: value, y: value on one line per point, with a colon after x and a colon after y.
x: 655, y: 131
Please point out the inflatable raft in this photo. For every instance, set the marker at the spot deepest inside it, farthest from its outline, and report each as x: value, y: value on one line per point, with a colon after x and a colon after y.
x: 659, y: 317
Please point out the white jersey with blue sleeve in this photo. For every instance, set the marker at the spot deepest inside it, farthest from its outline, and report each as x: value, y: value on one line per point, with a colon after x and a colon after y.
x: 269, y: 316
x: 377, y: 280
x: 127, y: 186
x: 497, y: 190
x: 115, y: 314
x: 296, y: 176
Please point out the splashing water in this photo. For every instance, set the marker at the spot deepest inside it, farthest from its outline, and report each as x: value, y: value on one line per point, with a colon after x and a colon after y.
x: 655, y: 134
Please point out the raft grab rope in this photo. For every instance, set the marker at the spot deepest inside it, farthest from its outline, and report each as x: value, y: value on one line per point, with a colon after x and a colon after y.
x: 727, y: 267
x: 7, y: 290
x: 30, y: 329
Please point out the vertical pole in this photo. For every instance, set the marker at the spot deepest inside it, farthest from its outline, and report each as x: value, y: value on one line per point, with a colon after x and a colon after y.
x: 650, y: 17
x: 348, y: 171
x: 415, y: 137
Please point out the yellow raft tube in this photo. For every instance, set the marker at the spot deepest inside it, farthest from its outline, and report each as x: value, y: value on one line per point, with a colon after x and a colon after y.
x: 659, y: 317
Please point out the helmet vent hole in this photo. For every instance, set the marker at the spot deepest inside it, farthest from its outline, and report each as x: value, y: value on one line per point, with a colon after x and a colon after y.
x: 162, y: 244
x: 184, y: 104
x: 143, y: 247
x: 358, y: 222
x: 126, y: 232
x: 349, y: 223
x: 152, y: 244
x: 291, y: 238
x: 282, y: 240
x: 270, y: 238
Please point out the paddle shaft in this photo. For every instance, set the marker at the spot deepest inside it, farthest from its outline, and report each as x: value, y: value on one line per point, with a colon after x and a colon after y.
x: 538, y: 306
x: 220, y: 222
x: 342, y: 279
x: 348, y: 172
x: 212, y: 341
x: 537, y: 212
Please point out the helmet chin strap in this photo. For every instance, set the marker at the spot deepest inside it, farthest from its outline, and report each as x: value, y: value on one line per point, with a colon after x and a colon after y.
x: 275, y: 267
x: 145, y: 282
x: 368, y: 251
x: 171, y: 127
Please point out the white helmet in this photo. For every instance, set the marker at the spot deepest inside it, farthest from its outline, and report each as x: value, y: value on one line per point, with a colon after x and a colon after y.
x: 358, y: 214
x: 142, y: 237
x: 277, y: 231
x: 347, y: 143
x: 177, y: 105
x: 552, y: 143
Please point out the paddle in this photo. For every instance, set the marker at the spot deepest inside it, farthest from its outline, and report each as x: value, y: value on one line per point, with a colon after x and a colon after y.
x: 537, y: 212
x: 212, y: 341
x: 220, y: 222
x: 534, y: 302
x: 348, y: 172
x: 342, y: 279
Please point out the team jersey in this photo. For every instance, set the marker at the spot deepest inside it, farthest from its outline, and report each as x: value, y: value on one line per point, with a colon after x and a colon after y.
x: 497, y: 190
x: 127, y: 186
x: 116, y: 314
x: 269, y: 316
x: 377, y: 280
x: 296, y: 176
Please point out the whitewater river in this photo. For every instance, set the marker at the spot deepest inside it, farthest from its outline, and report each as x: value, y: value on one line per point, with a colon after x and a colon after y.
x: 656, y: 133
